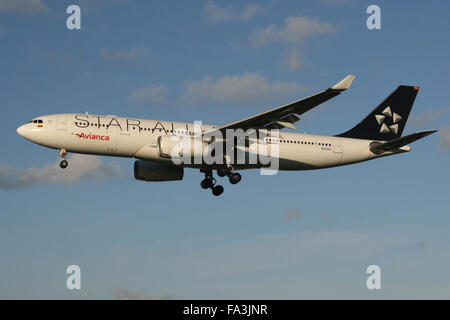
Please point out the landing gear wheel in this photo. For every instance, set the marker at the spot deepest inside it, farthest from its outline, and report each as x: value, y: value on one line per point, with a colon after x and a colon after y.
x: 222, y: 172
x: 62, y: 153
x: 235, y: 178
x: 210, y: 183
x: 217, y: 190
x: 63, y: 164
x: 206, y: 183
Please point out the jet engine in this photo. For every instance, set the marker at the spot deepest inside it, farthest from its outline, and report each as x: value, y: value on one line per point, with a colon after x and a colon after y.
x: 155, y: 171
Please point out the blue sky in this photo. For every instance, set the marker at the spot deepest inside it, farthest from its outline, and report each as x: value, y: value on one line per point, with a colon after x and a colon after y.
x: 289, y: 236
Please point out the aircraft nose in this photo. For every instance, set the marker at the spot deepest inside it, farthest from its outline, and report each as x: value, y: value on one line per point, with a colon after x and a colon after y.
x: 21, y: 130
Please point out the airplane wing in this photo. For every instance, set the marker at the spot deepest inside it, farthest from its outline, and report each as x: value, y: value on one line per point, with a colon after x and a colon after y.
x: 286, y: 116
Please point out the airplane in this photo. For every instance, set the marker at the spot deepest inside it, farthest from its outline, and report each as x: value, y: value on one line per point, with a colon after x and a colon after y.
x: 150, y: 142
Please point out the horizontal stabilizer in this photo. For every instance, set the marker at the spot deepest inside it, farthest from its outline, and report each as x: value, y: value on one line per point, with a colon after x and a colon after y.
x: 377, y: 147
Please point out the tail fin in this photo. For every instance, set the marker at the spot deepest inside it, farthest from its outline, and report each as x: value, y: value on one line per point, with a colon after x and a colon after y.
x: 387, y: 121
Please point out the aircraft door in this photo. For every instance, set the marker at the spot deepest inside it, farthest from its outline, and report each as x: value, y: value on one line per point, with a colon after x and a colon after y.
x: 337, y: 150
x: 337, y: 146
x: 113, y: 133
x: 62, y: 123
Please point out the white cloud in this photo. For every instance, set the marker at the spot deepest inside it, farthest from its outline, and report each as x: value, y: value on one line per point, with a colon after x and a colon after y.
x: 329, y: 220
x: 295, y: 30
x: 425, y: 118
x: 250, y: 11
x: 23, y: 6
x: 444, y: 137
x: 216, y: 14
x: 292, y: 61
x: 150, y: 95
x: 247, y: 88
x: 80, y: 167
x: 293, y: 214
x: 125, y: 55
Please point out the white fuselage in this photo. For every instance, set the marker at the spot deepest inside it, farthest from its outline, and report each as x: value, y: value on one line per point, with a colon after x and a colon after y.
x: 136, y: 138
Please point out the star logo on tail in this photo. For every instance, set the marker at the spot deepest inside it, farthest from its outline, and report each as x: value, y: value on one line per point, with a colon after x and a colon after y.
x: 382, y: 118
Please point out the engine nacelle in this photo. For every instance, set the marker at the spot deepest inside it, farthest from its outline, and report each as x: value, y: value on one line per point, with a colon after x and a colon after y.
x: 155, y: 171
x: 181, y: 146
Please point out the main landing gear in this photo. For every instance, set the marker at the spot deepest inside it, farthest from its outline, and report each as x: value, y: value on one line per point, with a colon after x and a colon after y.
x: 63, y: 164
x: 234, y: 177
x: 210, y: 183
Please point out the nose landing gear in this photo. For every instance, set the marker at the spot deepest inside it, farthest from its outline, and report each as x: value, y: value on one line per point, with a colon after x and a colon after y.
x: 210, y: 183
x: 63, y: 164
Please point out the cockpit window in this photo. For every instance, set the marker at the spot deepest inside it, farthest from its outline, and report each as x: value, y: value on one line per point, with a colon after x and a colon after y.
x: 37, y: 121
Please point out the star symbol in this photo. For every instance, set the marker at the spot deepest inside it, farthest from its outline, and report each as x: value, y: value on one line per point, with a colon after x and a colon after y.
x: 387, y: 113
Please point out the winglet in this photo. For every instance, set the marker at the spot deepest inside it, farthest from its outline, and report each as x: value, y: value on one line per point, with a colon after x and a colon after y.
x: 344, y: 84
